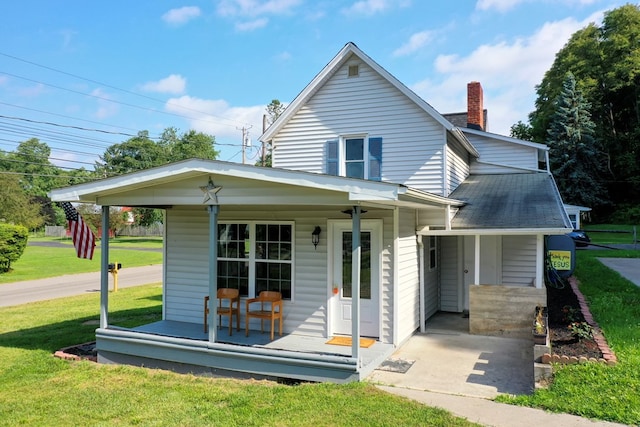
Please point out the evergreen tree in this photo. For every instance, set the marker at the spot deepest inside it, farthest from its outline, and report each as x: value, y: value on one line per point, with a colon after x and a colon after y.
x: 574, y: 154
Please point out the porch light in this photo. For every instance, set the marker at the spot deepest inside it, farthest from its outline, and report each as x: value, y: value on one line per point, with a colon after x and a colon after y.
x: 315, y: 236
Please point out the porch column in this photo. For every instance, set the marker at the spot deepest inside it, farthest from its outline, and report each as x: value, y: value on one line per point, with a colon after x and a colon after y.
x: 539, y: 280
x: 104, y: 269
x: 355, y: 284
x: 476, y: 270
x: 213, y: 271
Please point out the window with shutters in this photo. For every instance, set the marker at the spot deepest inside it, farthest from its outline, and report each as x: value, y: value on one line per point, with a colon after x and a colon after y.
x: 355, y: 157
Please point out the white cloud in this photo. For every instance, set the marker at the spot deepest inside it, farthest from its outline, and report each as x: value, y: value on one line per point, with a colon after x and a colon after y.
x: 256, y: 8
x: 106, y: 108
x: 499, y: 5
x: 508, y: 72
x: 174, y: 84
x: 281, y: 57
x: 416, y: 41
x: 371, y: 7
x: 32, y: 91
x: 252, y: 25
x: 217, y: 117
x: 506, y: 5
x: 181, y: 15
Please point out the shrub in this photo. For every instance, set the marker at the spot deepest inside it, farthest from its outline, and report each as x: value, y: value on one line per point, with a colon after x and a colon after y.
x: 13, y: 241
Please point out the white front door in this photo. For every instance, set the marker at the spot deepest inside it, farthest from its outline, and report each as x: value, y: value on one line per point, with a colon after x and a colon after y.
x: 341, y: 286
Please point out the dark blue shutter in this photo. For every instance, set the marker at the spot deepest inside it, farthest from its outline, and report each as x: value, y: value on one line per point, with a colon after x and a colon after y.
x: 375, y: 159
x: 332, y: 157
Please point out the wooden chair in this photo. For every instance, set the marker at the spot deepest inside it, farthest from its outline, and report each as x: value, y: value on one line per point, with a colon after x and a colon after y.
x: 228, y: 309
x: 273, y: 310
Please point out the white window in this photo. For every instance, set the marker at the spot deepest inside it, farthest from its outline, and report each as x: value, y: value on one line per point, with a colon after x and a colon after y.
x: 355, y: 157
x: 255, y: 257
x: 433, y: 252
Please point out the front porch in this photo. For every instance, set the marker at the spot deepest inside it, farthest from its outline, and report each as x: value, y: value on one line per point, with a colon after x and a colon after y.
x: 184, y: 347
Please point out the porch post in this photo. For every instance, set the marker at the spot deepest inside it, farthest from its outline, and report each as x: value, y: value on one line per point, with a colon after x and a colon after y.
x: 539, y: 281
x: 104, y: 269
x: 476, y: 270
x: 355, y: 284
x: 213, y: 271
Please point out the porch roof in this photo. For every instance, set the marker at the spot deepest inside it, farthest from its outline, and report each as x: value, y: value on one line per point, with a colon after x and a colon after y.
x: 510, y: 201
x: 185, y: 183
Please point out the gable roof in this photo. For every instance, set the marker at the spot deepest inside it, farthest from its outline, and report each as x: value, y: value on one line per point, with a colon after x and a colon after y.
x: 247, y: 185
x: 511, y: 201
x: 330, y: 69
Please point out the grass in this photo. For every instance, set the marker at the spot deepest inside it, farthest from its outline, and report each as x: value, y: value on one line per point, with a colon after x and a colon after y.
x: 118, y: 242
x: 38, y: 389
x: 593, y: 390
x: 39, y: 262
x: 611, y: 233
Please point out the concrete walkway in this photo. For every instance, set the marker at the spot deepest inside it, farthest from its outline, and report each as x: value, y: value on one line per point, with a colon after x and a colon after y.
x: 448, y: 368
x: 629, y: 268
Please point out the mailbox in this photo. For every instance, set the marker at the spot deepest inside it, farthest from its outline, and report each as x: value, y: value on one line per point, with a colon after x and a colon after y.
x: 112, y: 266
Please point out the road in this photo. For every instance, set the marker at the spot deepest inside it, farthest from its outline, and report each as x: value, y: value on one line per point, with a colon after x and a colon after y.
x: 74, y: 284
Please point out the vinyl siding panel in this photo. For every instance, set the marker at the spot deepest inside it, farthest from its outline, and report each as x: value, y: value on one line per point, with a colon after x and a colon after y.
x: 449, y: 274
x: 518, y: 260
x: 408, y: 277
x: 187, y: 266
x: 499, y: 153
x: 413, y: 142
x: 457, y: 165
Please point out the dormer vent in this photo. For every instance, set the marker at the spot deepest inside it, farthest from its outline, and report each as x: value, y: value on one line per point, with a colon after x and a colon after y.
x: 354, y: 70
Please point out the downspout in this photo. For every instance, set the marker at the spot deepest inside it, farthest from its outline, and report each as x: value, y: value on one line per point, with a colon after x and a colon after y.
x: 213, y: 271
x: 356, y: 252
x: 539, y: 261
x: 422, y: 284
x: 104, y: 269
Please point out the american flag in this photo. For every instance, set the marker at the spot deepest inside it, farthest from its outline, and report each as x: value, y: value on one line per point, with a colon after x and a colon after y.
x: 83, y: 238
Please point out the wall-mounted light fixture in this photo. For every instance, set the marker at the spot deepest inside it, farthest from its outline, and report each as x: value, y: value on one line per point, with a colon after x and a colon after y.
x: 315, y: 236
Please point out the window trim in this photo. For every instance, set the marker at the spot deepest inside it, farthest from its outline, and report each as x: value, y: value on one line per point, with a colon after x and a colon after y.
x: 433, y: 253
x: 253, y: 260
x: 339, y: 163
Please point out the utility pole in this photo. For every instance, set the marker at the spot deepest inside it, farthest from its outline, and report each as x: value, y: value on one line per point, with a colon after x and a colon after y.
x: 245, y: 140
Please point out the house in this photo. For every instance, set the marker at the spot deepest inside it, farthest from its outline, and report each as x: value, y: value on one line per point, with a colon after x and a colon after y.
x: 415, y: 215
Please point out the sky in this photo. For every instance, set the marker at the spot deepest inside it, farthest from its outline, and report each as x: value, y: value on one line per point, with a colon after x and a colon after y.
x: 81, y: 76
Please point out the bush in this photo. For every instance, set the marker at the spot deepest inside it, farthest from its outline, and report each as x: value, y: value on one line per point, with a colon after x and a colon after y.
x: 626, y: 214
x: 13, y: 241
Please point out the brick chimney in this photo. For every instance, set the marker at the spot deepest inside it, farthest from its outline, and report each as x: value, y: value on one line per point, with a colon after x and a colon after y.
x: 475, y: 107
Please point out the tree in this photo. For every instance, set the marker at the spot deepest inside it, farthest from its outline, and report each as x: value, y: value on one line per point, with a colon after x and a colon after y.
x: 605, y: 61
x: 274, y: 110
x: 521, y: 131
x: 13, y: 241
x: 574, y: 154
x: 16, y: 206
x: 141, y: 152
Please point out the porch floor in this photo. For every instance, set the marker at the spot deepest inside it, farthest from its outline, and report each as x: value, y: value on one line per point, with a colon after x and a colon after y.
x: 370, y: 357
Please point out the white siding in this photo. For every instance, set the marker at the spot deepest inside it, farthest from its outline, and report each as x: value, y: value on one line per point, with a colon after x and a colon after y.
x: 449, y: 274
x: 518, y: 260
x: 501, y: 153
x: 457, y: 165
x: 187, y: 268
x: 413, y: 142
x: 408, y: 277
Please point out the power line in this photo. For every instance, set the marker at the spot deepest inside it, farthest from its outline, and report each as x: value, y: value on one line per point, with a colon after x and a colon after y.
x: 118, y: 89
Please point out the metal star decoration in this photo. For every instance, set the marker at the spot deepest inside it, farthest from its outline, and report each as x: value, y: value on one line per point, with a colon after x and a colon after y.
x: 210, y: 193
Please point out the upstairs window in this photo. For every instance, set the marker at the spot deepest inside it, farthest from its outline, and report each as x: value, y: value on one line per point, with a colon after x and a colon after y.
x: 355, y: 157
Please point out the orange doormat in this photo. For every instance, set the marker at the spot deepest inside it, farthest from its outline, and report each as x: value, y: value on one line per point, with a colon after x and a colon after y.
x: 346, y: 341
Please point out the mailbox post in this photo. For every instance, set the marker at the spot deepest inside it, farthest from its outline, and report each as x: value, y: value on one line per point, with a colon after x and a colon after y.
x: 113, y: 269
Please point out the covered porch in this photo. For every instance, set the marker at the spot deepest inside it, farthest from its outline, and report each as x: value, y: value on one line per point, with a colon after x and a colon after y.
x: 184, y: 347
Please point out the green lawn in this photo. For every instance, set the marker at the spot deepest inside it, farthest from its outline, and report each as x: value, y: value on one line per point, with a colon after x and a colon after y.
x: 39, y: 262
x: 38, y: 389
x: 611, y: 233
x: 593, y: 390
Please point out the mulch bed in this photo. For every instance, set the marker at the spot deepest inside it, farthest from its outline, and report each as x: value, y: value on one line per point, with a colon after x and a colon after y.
x: 563, y: 309
x: 567, y: 304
